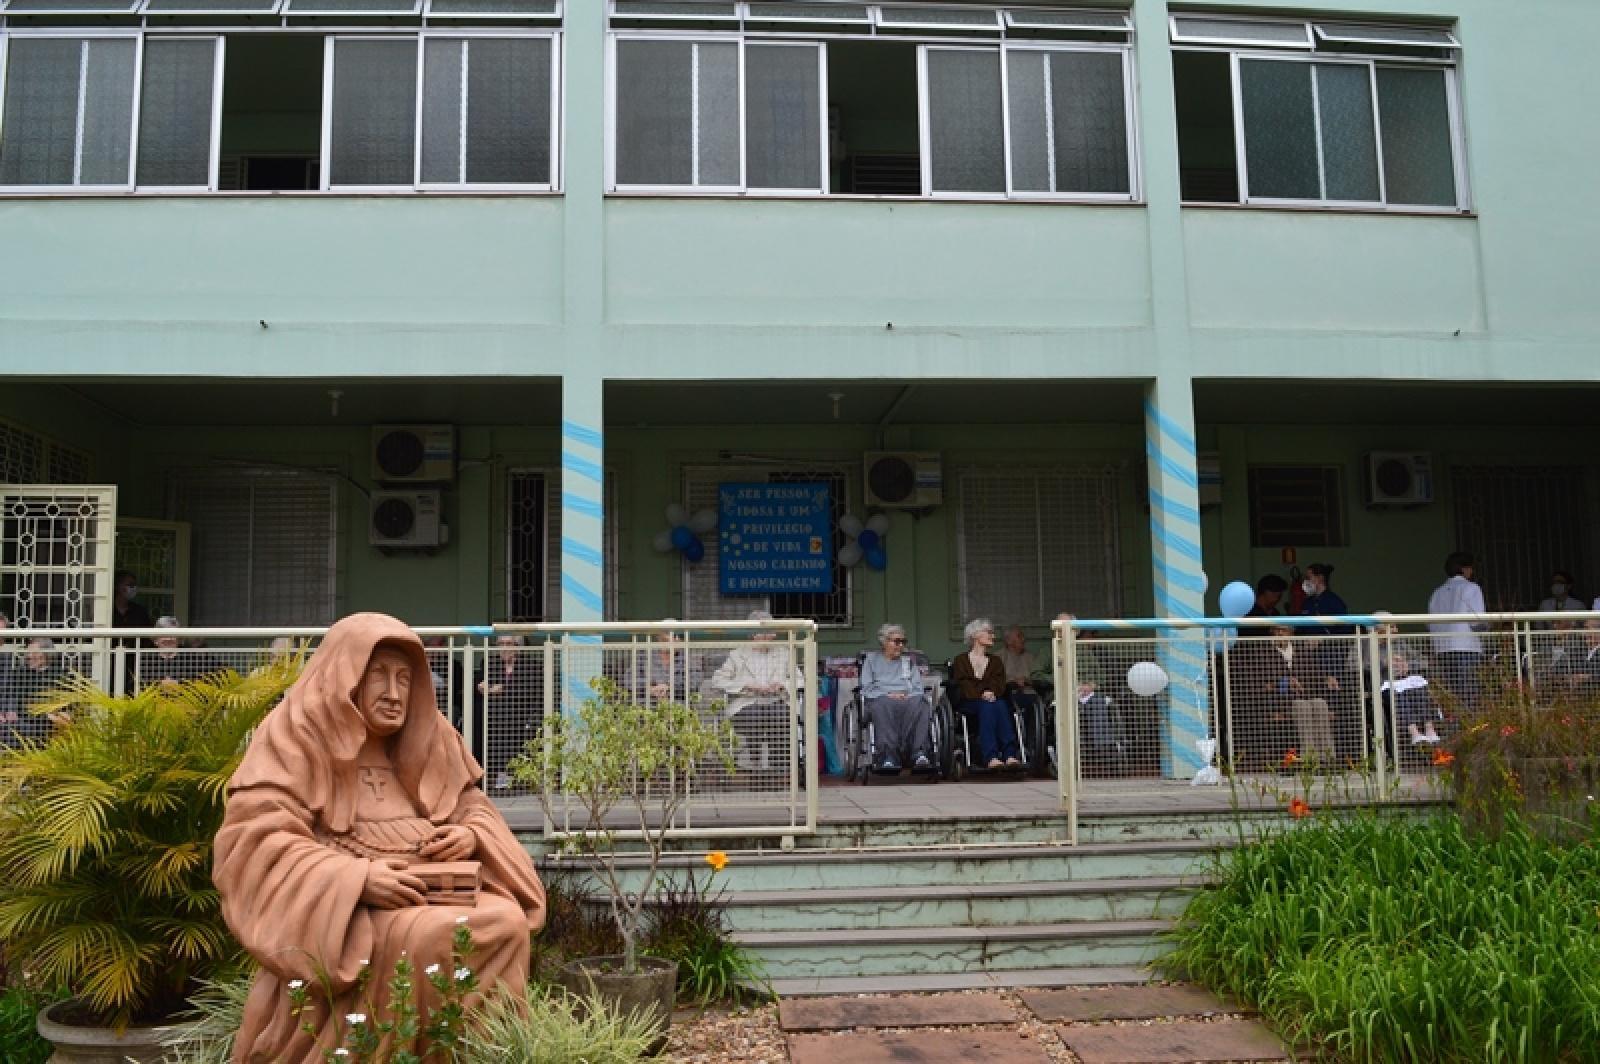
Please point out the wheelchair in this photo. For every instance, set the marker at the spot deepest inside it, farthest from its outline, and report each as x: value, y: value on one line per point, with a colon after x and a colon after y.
x: 1032, y: 717
x: 857, y: 747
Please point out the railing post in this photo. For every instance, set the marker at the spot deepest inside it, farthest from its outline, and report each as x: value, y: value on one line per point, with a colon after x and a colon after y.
x: 547, y: 728
x: 469, y: 726
x: 810, y: 733
x: 1372, y: 649
x: 118, y: 680
x: 1065, y: 655
x: 1227, y: 756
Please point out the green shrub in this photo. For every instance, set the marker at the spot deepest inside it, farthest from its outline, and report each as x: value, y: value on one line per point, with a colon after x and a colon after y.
x: 106, y: 834
x: 206, y: 1035
x: 1372, y: 939
x: 549, y: 1026
x: 19, y: 1038
x: 687, y: 924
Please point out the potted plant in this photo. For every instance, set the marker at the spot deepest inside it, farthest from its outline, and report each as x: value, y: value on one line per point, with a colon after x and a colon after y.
x: 1530, y: 754
x: 106, y: 830
x: 623, y: 765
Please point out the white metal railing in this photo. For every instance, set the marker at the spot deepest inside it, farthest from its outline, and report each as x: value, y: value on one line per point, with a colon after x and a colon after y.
x: 1374, y: 698
x: 498, y: 683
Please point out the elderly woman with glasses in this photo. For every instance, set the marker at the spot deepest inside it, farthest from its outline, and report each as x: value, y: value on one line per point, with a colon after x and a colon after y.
x: 980, y: 681
x: 896, y: 706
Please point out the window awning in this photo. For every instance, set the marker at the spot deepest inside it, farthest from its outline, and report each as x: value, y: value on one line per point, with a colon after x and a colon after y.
x: 1261, y: 33
x: 69, y: 7
x: 1390, y: 36
x: 210, y: 7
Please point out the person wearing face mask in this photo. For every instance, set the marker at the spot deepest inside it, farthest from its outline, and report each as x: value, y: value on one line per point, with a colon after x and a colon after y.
x: 1562, y: 598
x: 1322, y: 600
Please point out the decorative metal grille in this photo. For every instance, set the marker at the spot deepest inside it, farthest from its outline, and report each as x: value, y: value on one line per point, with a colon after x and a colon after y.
x: 1297, y: 506
x: 56, y: 555
x: 28, y: 457
x: 1522, y: 523
x: 702, y: 601
x: 533, y: 545
x: 156, y: 553
x: 1035, y: 542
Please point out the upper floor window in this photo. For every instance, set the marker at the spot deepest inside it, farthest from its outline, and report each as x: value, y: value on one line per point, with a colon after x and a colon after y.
x: 171, y: 100
x: 1305, y: 113
x: 816, y: 97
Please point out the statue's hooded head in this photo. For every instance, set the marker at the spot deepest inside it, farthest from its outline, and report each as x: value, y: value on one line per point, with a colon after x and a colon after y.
x: 369, y: 676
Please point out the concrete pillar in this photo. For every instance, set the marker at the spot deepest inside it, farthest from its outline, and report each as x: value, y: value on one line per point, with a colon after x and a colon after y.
x: 1179, y: 579
x: 582, y: 499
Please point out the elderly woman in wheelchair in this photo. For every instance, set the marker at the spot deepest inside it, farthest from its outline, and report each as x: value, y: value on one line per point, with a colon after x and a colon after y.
x: 896, y: 706
x: 982, y: 695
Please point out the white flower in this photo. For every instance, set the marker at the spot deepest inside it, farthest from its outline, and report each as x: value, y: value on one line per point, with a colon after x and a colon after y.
x: 357, y: 1017
x: 432, y: 969
x: 461, y: 919
x: 296, y: 984
x: 341, y: 1052
x: 463, y: 974
x: 365, y: 962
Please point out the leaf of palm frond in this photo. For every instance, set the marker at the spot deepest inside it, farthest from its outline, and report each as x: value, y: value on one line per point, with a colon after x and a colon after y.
x: 199, y: 899
x: 161, y: 870
x: 29, y: 858
x: 74, y: 811
x: 192, y: 940
x: 120, y: 976
x: 23, y: 913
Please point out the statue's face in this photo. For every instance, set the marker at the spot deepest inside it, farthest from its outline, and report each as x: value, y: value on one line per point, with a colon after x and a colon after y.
x: 385, y: 691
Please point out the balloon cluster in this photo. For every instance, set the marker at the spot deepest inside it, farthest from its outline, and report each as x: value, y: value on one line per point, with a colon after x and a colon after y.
x: 864, y: 541
x: 683, y: 531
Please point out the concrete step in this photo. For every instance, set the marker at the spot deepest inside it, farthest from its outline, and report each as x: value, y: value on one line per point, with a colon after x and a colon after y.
x: 934, y: 866
x: 1042, y: 978
x: 961, y: 904
x: 956, y: 950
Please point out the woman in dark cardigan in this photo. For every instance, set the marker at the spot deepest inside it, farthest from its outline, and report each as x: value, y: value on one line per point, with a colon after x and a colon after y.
x: 980, y: 682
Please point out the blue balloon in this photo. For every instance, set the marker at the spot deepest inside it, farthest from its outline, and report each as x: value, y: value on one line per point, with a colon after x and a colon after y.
x: 695, y: 551
x: 1237, y: 599
x: 682, y: 537
x: 877, y: 559
x: 868, y: 539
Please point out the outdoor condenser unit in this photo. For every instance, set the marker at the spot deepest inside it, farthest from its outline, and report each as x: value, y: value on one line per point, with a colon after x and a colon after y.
x: 903, y: 480
x: 1399, y: 479
x: 406, y: 520
x: 413, y: 454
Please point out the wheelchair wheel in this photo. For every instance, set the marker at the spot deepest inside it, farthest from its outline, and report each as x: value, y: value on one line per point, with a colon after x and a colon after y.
x: 948, y: 754
x: 852, y: 752
x: 1042, y: 741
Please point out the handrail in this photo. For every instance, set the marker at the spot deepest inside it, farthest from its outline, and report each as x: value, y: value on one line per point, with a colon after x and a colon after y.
x: 1352, y: 620
x: 793, y: 625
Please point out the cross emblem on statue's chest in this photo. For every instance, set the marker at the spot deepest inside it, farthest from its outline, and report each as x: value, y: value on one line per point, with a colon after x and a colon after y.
x: 375, y: 778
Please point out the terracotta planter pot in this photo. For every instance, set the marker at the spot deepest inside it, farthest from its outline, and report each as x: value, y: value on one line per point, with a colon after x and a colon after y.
x: 99, y: 1045
x: 654, y: 986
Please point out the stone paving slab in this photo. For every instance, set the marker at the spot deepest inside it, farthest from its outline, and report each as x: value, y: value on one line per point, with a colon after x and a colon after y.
x: 1087, y: 1004
x: 1186, y: 1041
x: 925, y: 1010
x: 915, y: 1047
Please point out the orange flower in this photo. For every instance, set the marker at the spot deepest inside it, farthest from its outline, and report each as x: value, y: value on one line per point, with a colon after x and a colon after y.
x: 1442, y: 759
x: 717, y: 860
x: 1291, y: 758
x: 1507, y: 731
x: 1299, y: 809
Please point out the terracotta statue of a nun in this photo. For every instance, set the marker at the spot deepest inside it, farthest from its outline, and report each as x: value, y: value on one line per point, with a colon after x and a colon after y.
x: 353, y: 796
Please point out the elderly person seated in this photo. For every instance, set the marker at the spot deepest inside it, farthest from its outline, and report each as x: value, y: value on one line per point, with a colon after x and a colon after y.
x: 758, y: 680
x: 171, y: 664
x: 980, y: 682
x: 896, y: 705
x: 1020, y: 663
x: 660, y: 672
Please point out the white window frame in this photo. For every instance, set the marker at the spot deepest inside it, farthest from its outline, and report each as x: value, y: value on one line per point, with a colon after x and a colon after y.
x: 1178, y: 37
x: 555, y: 16
x: 1365, y: 33
x: 421, y: 37
x: 201, y: 10
x: 820, y: 41
x: 1452, y: 98
x: 218, y: 67
x: 1135, y: 191
x: 941, y: 27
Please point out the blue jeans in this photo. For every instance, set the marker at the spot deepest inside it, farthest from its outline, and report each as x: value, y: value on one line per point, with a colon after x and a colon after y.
x: 997, y: 736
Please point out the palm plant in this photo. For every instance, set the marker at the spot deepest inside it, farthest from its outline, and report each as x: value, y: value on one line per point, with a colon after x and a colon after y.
x: 106, y: 834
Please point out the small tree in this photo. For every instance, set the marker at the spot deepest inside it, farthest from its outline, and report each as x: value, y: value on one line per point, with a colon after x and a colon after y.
x: 623, y: 763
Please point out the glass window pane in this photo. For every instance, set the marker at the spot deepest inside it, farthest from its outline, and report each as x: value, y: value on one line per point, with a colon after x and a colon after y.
x: 719, y: 114
x: 175, y: 112
x: 374, y: 112
x: 655, y: 121
x: 1349, y: 143
x: 1200, y: 29
x: 508, y: 111
x: 74, y: 7
x: 1032, y: 167
x: 1418, y: 154
x: 1091, y: 122
x: 939, y: 17
x: 966, y: 140
x: 442, y: 60
x: 783, y: 119
x: 38, y: 142
x: 107, y: 113
x: 352, y: 7
x: 1280, y: 133
x: 492, y: 7
x: 243, y: 7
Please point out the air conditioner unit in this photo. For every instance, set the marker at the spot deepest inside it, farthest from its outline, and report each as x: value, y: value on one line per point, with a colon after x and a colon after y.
x: 413, y: 454
x: 406, y: 520
x: 903, y: 480
x: 1397, y: 478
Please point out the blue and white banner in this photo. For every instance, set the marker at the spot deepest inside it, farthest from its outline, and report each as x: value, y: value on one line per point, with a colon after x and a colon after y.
x: 775, y: 539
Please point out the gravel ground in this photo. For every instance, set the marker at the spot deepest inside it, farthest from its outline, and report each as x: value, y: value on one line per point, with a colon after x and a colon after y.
x: 752, y: 1036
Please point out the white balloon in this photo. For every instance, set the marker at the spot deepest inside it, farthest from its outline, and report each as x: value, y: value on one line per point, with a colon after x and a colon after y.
x: 850, y: 525
x: 703, y: 521
x: 676, y: 515
x: 662, y: 541
x: 850, y: 555
x: 1147, y: 679
x: 879, y: 523
x: 1205, y: 581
